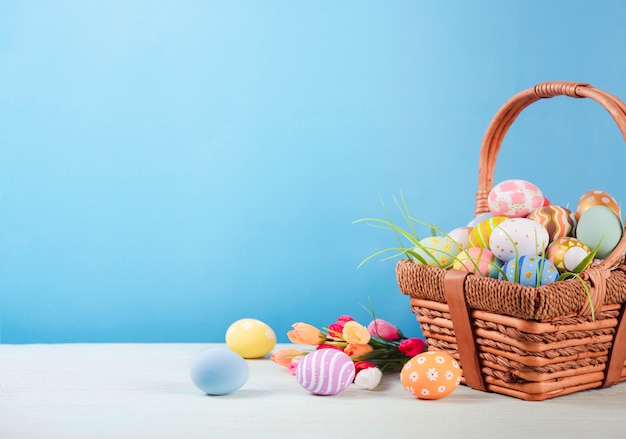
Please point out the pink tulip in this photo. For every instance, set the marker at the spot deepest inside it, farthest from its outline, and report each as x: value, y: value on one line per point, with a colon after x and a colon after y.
x: 412, y: 346
x: 383, y: 329
x: 293, y: 365
x: 335, y: 330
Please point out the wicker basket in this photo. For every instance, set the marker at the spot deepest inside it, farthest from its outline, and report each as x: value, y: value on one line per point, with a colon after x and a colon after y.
x: 529, y: 343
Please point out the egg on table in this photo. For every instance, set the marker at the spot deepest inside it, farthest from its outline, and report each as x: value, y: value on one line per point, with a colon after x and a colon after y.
x: 250, y: 338
x: 219, y: 371
x: 431, y: 375
x: 325, y: 372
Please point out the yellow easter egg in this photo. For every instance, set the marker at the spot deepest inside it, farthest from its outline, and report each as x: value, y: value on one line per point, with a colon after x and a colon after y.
x: 250, y: 338
x: 479, y: 235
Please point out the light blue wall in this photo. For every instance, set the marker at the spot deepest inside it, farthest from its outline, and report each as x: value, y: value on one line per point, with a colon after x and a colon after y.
x: 168, y: 167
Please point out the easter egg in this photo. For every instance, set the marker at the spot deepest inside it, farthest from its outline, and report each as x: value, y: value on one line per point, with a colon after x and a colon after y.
x: 219, y: 371
x: 558, y: 221
x: 460, y: 235
x: 250, y: 338
x: 597, y: 198
x: 431, y: 375
x: 325, y: 372
x: 566, y: 253
x: 479, y: 236
x: 438, y: 251
x: 518, y: 237
x: 478, y: 260
x: 599, y: 225
x: 531, y: 271
x: 514, y: 198
x: 479, y: 218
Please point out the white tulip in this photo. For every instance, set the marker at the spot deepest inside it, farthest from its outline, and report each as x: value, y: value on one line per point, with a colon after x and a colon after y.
x: 369, y: 378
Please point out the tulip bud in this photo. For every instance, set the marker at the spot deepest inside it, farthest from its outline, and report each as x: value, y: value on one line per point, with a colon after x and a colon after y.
x: 303, y: 333
x: 412, y: 346
x: 383, y: 329
x: 368, y: 378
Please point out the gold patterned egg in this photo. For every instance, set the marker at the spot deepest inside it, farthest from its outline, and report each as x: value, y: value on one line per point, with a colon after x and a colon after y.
x: 597, y: 198
x: 566, y: 253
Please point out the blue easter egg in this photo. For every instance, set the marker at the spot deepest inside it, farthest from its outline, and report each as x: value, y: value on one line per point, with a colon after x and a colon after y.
x: 219, y: 371
x: 529, y: 268
x: 477, y: 219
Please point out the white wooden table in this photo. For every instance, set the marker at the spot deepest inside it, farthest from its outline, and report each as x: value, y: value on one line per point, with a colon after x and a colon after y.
x: 91, y: 391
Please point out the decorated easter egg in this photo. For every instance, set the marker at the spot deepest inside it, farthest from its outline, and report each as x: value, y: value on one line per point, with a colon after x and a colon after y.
x: 531, y: 271
x: 479, y: 236
x: 250, y: 338
x: 219, y: 371
x: 558, y: 221
x: 438, y: 251
x: 597, y: 198
x: 431, y: 375
x: 479, y: 218
x: 566, y: 253
x: 478, y: 260
x: 325, y: 372
x: 599, y: 225
x: 514, y: 198
x: 460, y: 235
x: 518, y: 237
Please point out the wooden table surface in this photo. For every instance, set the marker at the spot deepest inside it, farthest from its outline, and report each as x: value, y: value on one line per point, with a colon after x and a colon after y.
x: 92, y: 391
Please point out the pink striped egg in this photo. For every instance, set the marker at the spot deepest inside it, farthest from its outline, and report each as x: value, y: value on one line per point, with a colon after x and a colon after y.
x: 325, y: 372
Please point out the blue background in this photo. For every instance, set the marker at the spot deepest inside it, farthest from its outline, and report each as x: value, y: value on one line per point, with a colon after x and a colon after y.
x: 168, y: 167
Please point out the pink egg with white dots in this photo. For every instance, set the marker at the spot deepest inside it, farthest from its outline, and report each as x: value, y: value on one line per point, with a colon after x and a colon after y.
x: 514, y: 198
x: 325, y: 372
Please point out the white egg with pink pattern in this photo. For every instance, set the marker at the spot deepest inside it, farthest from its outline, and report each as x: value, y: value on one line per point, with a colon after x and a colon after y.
x: 514, y: 198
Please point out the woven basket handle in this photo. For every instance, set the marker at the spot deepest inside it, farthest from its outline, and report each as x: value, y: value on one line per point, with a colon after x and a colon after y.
x: 507, y: 114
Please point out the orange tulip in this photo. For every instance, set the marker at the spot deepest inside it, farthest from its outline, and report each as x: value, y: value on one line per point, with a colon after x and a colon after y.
x: 356, y: 350
x: 285, y: 356
x: 303, y: 333
x: 355, y: 333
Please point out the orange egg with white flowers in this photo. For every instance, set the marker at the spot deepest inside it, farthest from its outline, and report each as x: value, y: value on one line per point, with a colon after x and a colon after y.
x: 431, y: 375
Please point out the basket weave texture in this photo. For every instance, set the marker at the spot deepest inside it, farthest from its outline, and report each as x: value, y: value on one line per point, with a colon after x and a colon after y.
x: 525, y: 342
